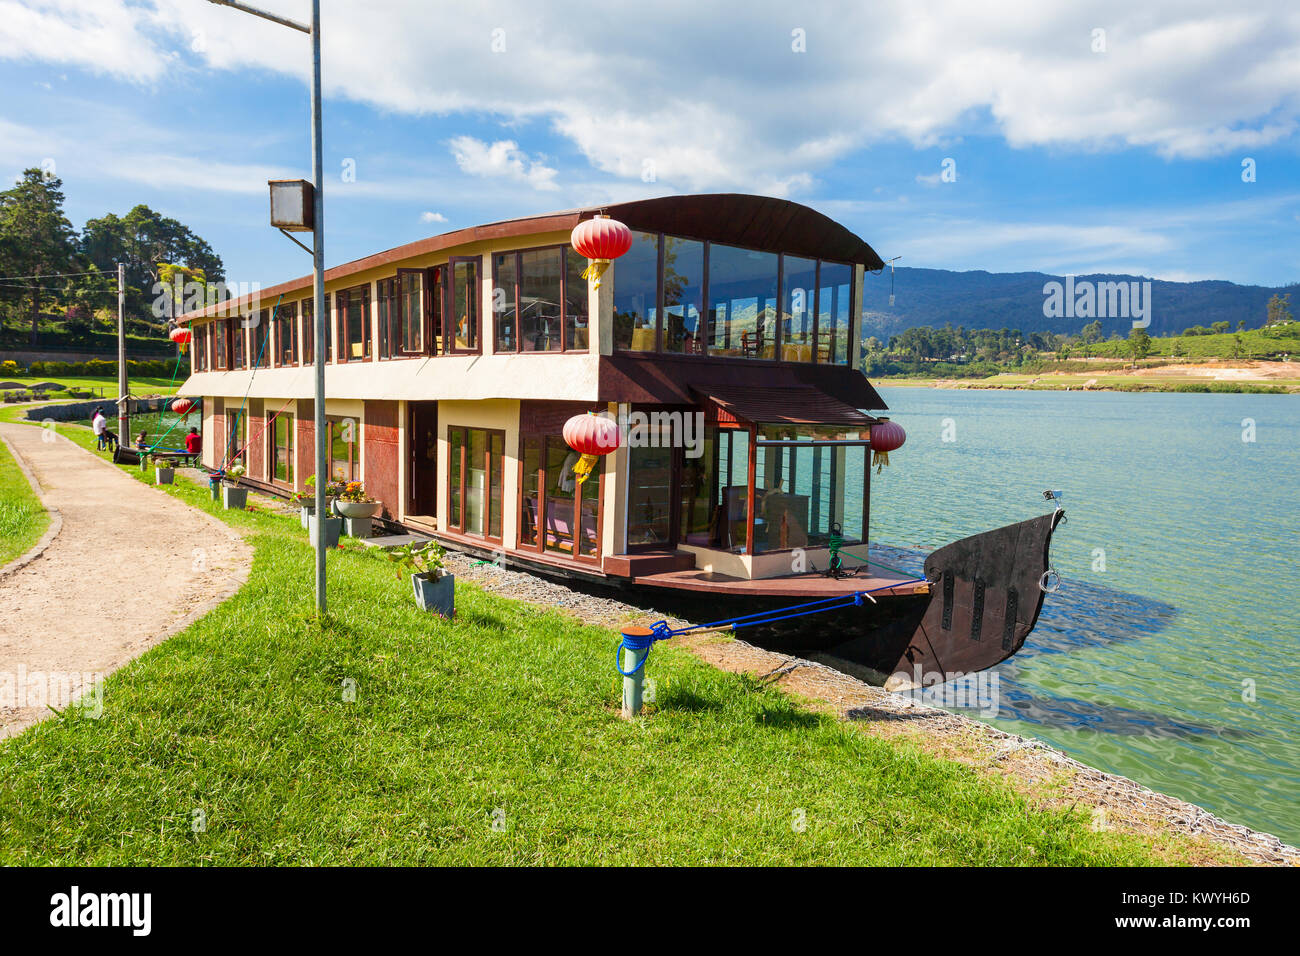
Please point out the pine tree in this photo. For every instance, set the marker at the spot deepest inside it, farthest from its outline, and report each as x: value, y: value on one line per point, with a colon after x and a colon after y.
x: 36, y: 242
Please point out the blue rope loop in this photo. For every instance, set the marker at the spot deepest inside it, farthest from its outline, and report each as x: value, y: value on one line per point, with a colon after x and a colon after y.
x: 659, y: 631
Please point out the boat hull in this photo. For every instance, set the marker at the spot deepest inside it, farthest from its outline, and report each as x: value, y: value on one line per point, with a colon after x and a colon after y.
x: 983, y: 600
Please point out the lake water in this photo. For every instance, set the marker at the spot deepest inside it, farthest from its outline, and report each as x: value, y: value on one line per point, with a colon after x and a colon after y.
x: 1170, y: 653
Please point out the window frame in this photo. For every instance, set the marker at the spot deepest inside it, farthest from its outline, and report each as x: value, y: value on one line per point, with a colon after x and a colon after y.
x: 565, y: 345
x: 344, y: 298
x: 307, y: 330
x: 456, y: 477
x: 273, y: 448
x: 449, y: 301
x: 286, y: 316
x: 399, y: 349
x: 538, y: 545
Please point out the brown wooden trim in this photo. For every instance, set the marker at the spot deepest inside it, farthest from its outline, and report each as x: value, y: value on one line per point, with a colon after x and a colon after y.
x: 749, y: 493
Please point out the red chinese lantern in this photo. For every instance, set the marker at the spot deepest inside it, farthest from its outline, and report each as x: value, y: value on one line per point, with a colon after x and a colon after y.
x: 600, y: 239
x: 183, y: 406
x: 181, y: 337
x: 591, y: 436
x: 886, y: 436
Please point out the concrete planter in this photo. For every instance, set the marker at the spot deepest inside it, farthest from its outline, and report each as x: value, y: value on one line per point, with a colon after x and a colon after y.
x: 234, y: 497
x: 357, y: 509
x: 437, y: 595
x: 305, y: 512
x: 333, y: 526
x: 164, y: 476
x: 358, y: 527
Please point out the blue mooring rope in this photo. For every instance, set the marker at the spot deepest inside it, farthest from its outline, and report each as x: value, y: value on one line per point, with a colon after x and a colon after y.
x: 660, y: 631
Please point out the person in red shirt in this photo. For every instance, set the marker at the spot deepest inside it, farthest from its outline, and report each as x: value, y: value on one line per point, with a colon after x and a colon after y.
x: 193, y: 443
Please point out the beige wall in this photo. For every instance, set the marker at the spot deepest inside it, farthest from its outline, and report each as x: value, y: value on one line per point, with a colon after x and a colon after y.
x: 499, y: 414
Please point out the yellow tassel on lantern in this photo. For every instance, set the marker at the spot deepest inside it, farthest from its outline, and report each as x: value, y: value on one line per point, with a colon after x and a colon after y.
x: 880, y: 459
x: 595, y: 269
x: 582, y: 470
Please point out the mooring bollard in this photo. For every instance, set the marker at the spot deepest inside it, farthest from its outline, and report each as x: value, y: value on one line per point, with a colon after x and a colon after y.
x: 635, y: 649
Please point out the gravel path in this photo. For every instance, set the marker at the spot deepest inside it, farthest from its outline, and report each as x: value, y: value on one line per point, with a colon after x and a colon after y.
x: 129, y: 567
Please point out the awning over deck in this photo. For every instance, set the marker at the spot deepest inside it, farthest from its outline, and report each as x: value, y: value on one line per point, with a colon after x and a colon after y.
x: 783, y: 405
x: 651, y: 378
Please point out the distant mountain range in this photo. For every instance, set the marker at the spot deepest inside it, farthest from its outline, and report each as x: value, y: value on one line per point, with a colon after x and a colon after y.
x: 1015, y: 300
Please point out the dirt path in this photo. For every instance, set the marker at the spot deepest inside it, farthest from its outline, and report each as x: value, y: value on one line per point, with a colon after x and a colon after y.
x: 129, y: 567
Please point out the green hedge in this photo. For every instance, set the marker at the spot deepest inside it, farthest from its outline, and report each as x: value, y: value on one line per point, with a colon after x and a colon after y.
x: 149, y: 368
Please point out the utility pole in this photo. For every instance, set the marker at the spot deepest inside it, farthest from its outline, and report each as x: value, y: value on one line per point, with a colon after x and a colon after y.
x: 318, y: 310
x: 123, y: 414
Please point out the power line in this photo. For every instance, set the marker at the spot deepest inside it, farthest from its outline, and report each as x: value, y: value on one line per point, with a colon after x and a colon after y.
x: 60, y: 275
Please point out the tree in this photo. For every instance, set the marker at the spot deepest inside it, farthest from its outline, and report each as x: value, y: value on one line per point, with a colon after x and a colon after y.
x: 1218, y: 328
x: 1139, y: 344
x: 143, y: 240
x: 1279, y: 311
x: 36, y: 242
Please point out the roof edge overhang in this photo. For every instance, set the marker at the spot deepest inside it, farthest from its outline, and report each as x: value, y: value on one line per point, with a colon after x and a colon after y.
x: 755, y: 222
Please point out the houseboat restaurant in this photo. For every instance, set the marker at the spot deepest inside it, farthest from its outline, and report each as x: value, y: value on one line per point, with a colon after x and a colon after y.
x: 728, y: 335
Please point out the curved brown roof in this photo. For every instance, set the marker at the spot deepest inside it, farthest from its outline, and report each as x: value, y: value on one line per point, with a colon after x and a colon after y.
x: 756, y: 222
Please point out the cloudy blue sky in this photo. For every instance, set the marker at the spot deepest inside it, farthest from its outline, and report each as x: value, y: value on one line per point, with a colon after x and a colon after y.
x: 1074, y: 150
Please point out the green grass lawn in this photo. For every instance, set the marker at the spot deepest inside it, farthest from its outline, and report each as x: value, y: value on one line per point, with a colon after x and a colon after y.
x: 495, y: 739
x: 22, y: 519
x: 143, y: 385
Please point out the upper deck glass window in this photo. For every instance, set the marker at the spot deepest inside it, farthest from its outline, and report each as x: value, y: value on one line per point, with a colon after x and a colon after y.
x: 539, y: 300
x: 354, y: 319
x: 742, y: 302
x: 410, y: 317
x: 683, y: 295
x: 286, y: 334
x: 798, y: 308
x: 833, y: 317
x: 757, y: 305
x: 636, y: 294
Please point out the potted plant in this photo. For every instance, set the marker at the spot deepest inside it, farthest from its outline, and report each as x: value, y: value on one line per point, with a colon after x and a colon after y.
x: 306, y: 503
x: 232, y: 495
x: 357, y: 509
x: 333, y: 527
x: 163, y: 474
x: 434, y: 586
x: 332, y: 490
x: 353, y: 502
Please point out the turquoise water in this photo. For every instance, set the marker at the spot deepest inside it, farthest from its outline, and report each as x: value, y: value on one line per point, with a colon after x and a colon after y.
x: 1179, y: 594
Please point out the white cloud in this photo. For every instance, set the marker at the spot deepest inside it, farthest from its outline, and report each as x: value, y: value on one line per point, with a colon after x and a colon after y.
x: 503, y: 158
x: 432, y: 217
x: 714, y: 97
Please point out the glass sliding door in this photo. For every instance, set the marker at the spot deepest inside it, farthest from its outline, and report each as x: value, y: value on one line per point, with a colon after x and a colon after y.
x: 475, y: 480
x: 650, y: 499
x: 557, y: 516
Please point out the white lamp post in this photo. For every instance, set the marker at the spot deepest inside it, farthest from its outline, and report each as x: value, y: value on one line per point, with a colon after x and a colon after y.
x: 298, y: 198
